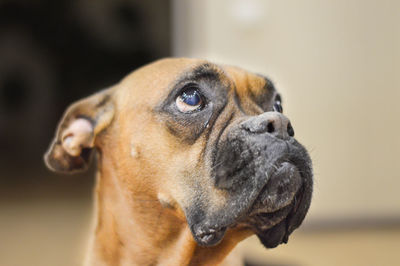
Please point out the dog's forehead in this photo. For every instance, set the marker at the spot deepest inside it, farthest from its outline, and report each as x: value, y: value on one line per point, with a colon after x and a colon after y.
x: 156, y: 77
x: 154, y: 82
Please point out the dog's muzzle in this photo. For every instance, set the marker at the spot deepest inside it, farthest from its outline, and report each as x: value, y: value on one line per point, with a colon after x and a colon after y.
x: 268, y: 177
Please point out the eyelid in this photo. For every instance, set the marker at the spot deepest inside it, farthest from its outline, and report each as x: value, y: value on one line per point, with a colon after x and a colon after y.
x: 186, y: 86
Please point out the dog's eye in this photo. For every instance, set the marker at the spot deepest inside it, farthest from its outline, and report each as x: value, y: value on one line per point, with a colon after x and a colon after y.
x: 189, y: 100
x: 278, y: 106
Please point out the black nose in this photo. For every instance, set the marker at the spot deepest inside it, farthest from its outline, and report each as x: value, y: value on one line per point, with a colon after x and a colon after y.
x: 274, y: 123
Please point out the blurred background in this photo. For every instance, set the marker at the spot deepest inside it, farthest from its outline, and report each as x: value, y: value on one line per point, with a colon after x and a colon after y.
x: 336, y: 63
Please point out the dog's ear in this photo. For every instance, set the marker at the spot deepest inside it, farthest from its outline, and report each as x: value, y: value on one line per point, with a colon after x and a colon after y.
x: 71, y: 148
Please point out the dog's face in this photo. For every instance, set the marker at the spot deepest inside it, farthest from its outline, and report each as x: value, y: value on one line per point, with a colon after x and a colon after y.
x: 206, y: 140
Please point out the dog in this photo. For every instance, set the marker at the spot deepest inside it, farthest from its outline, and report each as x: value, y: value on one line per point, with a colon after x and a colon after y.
x: 192, y: 158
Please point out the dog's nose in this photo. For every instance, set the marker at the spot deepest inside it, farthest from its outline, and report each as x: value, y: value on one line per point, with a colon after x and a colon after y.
x: 274, y: 123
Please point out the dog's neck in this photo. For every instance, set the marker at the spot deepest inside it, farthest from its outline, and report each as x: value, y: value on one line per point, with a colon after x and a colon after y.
x: 138, y: 230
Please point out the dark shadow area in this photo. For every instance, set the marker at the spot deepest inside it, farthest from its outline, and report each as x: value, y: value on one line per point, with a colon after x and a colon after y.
x: 53, y: 53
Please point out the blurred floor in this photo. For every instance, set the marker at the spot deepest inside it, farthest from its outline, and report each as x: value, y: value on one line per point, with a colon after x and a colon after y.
x: 325, y: 248
x: 44, y: 232
x: 54, y: 231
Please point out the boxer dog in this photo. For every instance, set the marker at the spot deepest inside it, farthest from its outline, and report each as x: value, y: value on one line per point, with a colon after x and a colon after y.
x: 192, y: 158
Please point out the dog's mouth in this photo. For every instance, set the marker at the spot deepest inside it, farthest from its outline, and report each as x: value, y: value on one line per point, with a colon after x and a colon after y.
x: 271, y: 216
x: 277, y: 210
x: 268, y: 189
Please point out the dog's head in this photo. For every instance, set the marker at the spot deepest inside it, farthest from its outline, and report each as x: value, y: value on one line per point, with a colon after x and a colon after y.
x: 206, y: 140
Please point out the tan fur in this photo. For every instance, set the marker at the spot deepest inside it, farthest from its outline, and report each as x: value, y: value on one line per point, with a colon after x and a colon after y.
x: 140, y: 191
x: 246, y: 84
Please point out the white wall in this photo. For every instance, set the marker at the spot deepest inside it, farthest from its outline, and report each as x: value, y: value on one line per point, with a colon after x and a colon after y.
x: 337, y: 64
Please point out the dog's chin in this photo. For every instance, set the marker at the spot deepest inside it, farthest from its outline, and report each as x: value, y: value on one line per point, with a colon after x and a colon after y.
x: 209, y: 237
